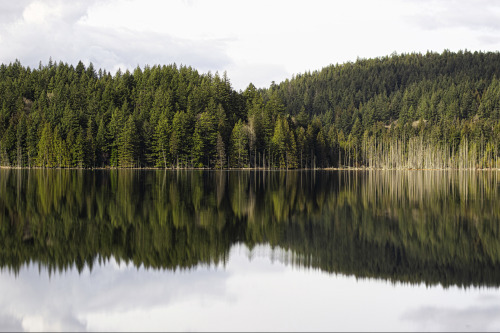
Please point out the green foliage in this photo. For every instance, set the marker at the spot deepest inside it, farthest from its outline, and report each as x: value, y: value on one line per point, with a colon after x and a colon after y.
x: 162, y: 142
x: 170, y: 116
x: 239, y: 144
x: 284, y: 145
x: 179, y: 141
x: 205, y: 138
x: 46, y: 148
x: 127, y: 144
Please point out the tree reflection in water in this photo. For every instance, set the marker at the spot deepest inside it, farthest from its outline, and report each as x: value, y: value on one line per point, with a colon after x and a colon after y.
x: 435, y: 227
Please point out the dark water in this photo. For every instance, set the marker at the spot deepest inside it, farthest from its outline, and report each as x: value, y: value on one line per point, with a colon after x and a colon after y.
x: 193, y: 250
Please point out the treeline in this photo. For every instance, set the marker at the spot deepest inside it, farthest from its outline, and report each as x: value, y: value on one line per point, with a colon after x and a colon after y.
x: 400, y: 111
x: 414, y: 227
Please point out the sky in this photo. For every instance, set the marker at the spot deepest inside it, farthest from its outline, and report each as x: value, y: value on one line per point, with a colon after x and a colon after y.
x: 257, y: 41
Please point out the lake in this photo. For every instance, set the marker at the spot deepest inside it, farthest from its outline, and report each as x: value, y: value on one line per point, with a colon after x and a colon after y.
x: 184, y: 250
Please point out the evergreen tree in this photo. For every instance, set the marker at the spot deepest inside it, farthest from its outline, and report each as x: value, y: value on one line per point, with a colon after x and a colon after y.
x: 45, y: 148
x: 58, y: 149
x: 162, y: 142
x: 239, y: 144
x: 101, y: 144
x: 78, y: 150
x: 221, y: 152
x: 280, y: 141
x: 127, y: 144
x: 21, y: 144
x: 301, y: 145
x: 179, y: 143
x: 398, y: 111
x: 90, y: 144
x: 205, y: 138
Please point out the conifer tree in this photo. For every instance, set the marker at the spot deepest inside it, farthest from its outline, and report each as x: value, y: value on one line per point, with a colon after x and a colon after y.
x: 90, y: 144
x: 239, y: 144
x: 161, y: 144
x: 221, y: 152
x: 102, y: 151
x: 21, y: 144
x: 45, y: 148
x: 179, y: 142
x: 127, y: 144
x: 78, y: 151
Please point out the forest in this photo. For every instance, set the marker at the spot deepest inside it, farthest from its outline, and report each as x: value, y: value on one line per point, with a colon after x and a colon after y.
x: 406, y: 111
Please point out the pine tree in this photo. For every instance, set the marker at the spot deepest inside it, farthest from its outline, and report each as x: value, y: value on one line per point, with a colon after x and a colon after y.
x: 115, y: 127
x: 45, y: 153
x: 90, y: 144
x: 179, y: 143
x: 101, y: 144
x: 58, y: 149
x: 21, y: 144
x: 71, y: 149
x: 127, y: 144
x: 78, y: 151
x: 279, y: 143
x: 205, y: 138
x: 239, y: 144
x: 320, y: 149
x: 161, y: 145
x: 301, y: 147
x: 221, y: 152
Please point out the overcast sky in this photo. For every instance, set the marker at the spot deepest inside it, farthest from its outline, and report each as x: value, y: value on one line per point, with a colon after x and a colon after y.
x: 256, y: 41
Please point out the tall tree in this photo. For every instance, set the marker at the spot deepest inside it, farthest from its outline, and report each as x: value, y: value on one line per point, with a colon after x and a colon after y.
x: 239, y: 144
x: 45, y: 148
x: 162, y: 142
x: 127, y: 144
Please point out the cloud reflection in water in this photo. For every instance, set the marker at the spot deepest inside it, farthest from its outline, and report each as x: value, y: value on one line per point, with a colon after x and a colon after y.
x: 251, y: 293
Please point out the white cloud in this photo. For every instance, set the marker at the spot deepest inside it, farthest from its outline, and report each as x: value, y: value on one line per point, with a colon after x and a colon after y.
x: 476, y: 318
x: 11, y: 10
x: 39, y: 13
x: 57, y: 29
x: 259, y: 74
x: 470, y: 15
x: 255, y: 41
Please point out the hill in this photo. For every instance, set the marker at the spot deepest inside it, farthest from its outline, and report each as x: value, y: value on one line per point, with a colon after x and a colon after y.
x: 400, y: 111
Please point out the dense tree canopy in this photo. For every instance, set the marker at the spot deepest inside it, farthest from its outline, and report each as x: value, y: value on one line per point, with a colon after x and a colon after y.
x: 401, y: 111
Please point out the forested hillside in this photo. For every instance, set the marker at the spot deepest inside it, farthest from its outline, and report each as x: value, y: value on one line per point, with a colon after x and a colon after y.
x: 400, y: 111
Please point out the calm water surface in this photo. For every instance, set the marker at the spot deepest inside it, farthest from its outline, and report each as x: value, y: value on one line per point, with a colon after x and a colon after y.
x: 193, y: 250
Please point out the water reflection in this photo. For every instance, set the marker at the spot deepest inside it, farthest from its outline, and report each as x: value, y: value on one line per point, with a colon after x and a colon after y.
x: 249, y: 294
x: 430, y: 227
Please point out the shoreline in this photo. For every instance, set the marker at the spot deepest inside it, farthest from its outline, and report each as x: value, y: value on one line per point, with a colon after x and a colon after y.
x: 252, y: 169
